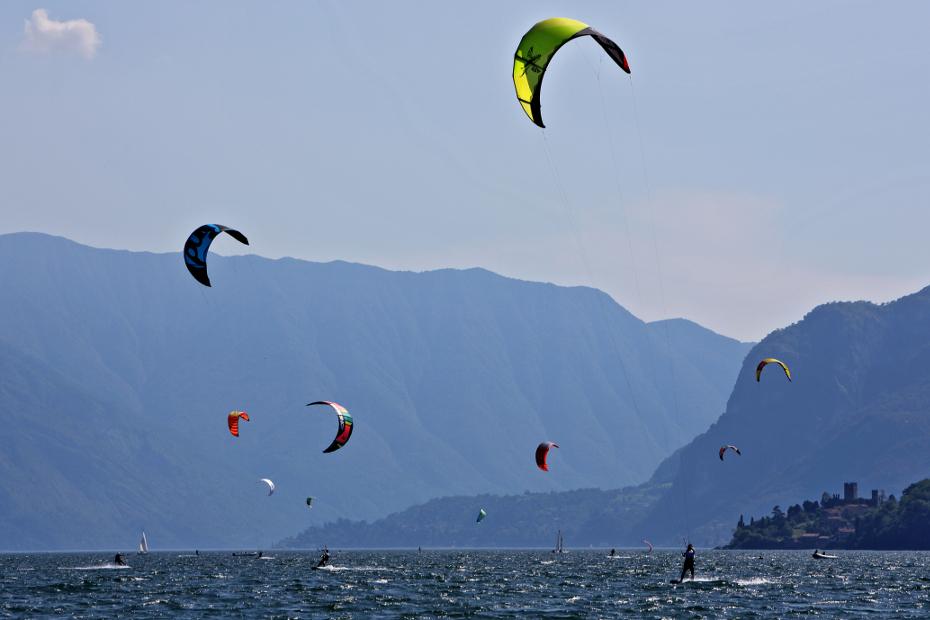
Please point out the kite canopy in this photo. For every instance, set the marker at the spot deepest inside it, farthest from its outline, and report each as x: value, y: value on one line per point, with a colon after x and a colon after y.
x: 725, y: 448
x: 536, y: 49
x: 270, y: 485
x: 771, y: 360
x: 345, y: 424
x: 542, y: 451
x: 197, y: 245
x: 233, y: 421
x: 649, y: 544
x: 481, y: 515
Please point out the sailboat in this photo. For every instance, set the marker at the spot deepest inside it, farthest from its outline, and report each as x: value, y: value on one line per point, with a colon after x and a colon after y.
x: 559, y: 544
x: 143, y: 545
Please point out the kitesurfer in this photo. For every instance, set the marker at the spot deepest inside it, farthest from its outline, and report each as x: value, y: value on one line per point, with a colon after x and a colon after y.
x: 688, y: 555
x: 118, y: 560
x: 613, y: 552
x: 324, y: 558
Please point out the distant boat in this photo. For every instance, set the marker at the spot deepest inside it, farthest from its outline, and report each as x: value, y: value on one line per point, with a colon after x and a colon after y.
x: 559, y: 544
x: 819, y: 555
x: 143, y: 545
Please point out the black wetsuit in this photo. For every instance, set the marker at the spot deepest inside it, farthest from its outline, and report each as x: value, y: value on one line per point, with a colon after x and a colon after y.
x: 324, y: 559
x: 689, y: 564
x: 118, y: 560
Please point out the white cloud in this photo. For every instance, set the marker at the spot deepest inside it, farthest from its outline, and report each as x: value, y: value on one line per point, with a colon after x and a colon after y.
x: 44, y: 35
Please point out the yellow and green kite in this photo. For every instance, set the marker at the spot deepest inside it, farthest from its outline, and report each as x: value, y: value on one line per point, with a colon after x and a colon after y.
x: 536, y: 49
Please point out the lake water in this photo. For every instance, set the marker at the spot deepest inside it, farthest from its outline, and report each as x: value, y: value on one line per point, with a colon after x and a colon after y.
x: 460, y: 584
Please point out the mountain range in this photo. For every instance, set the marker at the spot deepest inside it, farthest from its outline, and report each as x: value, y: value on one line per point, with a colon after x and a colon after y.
x: 117, y: 371
x: 857, y: 410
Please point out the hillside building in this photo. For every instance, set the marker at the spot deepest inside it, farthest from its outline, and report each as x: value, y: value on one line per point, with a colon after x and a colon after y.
x: 850, y: 491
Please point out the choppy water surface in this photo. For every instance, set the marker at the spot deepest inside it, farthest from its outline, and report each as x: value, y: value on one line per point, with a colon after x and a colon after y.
x: 457, y: 584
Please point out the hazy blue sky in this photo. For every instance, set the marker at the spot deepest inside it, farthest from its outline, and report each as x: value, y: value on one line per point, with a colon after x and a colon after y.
x: 785, y: 146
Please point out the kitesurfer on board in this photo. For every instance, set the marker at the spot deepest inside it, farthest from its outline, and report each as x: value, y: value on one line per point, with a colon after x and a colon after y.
x: 689, y: 562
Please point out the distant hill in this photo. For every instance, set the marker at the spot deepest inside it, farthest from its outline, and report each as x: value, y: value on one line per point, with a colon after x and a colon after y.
x: 585, y: 517
x: 118, y: 370
x: 839, y: 524
x: 857, y: 410
x: 830, y: 523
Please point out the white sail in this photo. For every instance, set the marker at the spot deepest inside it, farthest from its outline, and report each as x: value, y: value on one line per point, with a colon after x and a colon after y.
x: 143, y: 544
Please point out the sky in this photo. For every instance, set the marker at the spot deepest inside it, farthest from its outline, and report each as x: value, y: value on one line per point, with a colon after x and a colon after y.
x: 760, y: 160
